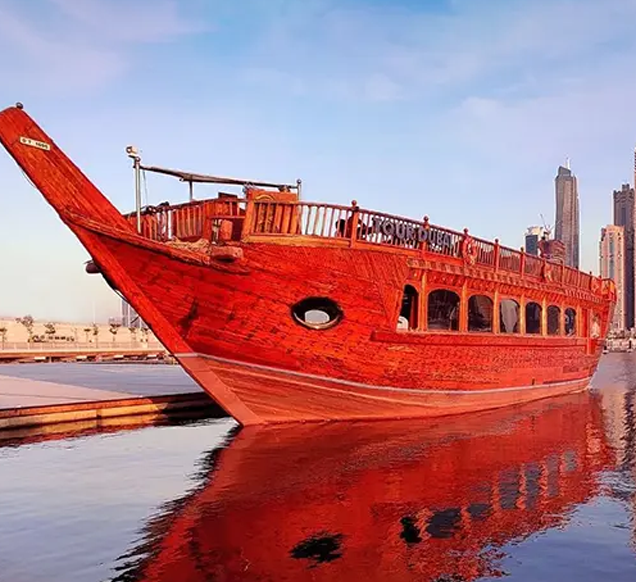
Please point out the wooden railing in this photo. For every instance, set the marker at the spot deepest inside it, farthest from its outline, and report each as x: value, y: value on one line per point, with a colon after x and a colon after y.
x: 203, y: 219
x: 190, y: 221
x: 365, y: 226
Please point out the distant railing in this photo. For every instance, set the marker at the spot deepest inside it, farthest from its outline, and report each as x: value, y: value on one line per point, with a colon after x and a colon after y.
x: 223, y: 219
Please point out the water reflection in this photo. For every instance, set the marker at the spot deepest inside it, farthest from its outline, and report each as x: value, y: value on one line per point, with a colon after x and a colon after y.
x: 383, y: 500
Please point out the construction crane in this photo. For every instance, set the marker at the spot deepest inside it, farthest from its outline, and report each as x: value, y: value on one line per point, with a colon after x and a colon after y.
x: 548, y: 229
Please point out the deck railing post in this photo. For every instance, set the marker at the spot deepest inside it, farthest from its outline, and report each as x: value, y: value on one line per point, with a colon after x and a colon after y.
x: 355, y: 217
x: 427, y: 228
x: 247, y: 220
x: 522, y: 262
x: 497, y: 253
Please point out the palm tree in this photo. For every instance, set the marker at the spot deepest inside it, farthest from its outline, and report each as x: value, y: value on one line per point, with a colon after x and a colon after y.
x: 114, y: 328
x: 3, y: 335
x: 27, y: 321
x: 49, y: 330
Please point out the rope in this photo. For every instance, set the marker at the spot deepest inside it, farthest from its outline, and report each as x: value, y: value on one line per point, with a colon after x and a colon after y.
x: 145, y: 181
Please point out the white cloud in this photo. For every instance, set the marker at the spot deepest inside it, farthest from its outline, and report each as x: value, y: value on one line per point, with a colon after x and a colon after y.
x: 420, y: 53
x: 64, y: 46
x: 125, y: 21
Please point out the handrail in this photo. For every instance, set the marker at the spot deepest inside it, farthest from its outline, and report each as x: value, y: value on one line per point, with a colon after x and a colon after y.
x: 198, y: 219
x: 312, y: 219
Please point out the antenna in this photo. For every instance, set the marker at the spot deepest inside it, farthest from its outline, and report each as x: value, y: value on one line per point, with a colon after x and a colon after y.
x: 567, y: 162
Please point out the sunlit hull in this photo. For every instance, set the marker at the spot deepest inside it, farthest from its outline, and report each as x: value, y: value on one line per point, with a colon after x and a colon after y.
x: 225, y: 312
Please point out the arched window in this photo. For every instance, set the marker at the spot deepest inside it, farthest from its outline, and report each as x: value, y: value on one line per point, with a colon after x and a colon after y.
x: 533, y: 317
x: 570, y: 321
x: 409, y: 310
x: 480, y: 313
x: 554, y: 320
x: 508, y: 316
x: 443, y: 310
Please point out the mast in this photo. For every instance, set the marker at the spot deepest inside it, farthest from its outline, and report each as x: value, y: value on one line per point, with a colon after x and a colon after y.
x: 134, y: 155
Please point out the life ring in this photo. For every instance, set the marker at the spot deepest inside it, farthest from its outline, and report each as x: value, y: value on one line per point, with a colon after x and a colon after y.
x: 609, y: 288
x: 469, y: 251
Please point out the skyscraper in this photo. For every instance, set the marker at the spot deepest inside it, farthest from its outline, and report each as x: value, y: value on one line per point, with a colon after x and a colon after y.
x: 612, y: 265
x: 624, y: 216
x: 567, y: 214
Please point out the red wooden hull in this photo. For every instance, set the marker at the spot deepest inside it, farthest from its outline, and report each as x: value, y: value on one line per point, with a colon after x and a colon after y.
x: 375, y: 501
x: 229, y: 322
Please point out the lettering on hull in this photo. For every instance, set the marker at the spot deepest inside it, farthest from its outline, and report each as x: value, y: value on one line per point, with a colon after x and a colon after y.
x: 409, y: 233
x: 34, y: 143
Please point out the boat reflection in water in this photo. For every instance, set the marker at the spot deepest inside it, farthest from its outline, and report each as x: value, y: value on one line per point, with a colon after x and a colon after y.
x: 382, y: 500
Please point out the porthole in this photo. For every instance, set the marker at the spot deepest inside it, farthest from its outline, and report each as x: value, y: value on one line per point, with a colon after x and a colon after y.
x: 317, y: 312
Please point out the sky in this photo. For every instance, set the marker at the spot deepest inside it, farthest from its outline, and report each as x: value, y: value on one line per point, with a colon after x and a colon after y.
x: 461, y: 110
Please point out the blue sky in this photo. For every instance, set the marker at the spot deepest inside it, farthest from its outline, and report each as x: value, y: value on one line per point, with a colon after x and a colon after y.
x: 459, y: 109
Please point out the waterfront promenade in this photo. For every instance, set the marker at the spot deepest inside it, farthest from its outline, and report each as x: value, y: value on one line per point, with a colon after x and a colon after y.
x: 24, y: 339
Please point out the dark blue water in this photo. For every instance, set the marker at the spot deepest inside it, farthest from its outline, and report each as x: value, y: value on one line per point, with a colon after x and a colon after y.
x: 534, y: 493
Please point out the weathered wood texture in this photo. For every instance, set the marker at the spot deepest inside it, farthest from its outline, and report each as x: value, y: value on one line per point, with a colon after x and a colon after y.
x: 431, y: 503
x: 234, y: 302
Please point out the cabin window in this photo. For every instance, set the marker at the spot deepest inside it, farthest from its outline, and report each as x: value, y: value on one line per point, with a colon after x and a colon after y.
x: 480, y: 313
x: 317, y: 312
x: 443, y: 310
x: 554, y: 320
x: 533, y: 317
x: 408, y: 312
x: 508, y: 316
x: 570, y: 321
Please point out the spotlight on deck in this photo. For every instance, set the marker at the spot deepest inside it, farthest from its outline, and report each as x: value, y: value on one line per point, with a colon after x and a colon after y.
x: 132, y: 152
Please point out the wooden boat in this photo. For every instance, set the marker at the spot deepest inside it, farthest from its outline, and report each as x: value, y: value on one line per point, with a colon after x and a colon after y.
x: 287, y: 310
x: 371, y: 500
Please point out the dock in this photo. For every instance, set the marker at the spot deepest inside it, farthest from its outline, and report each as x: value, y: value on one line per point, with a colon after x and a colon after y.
x: 33, y: 396
x: 60, y: 354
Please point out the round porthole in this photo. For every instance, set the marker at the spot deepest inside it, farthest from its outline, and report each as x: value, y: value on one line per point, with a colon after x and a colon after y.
x: 317, y: 312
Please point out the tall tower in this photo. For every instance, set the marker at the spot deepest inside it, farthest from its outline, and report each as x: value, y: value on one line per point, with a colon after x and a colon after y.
x: 612, y: 265
x: 567, y: 213
x: 624, y: 216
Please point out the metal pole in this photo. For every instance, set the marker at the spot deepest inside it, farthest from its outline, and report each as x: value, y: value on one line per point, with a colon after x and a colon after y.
x: 191, y: 193
x: 138, y: 191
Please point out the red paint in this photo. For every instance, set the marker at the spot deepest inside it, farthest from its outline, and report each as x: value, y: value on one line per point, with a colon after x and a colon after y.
x: 218, y: 279
x: 492, y: 478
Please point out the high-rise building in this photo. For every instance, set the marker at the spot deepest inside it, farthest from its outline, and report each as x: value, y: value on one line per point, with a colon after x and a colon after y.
x: 533, y: 236
x: 624, y: 216
x: 612, y: 266
x: 567, y: 214
x: 129, y: 317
